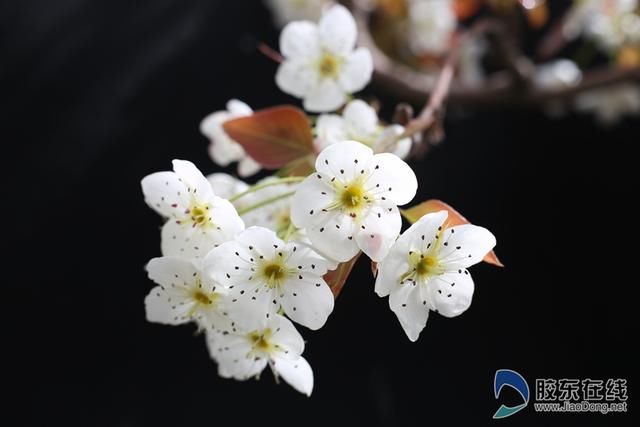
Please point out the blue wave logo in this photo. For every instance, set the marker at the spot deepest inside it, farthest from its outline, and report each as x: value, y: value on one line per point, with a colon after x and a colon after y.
x: 509, y: 378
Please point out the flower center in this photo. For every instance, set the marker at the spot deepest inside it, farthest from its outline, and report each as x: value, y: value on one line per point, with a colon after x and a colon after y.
x: 328, y: 65
x: 199, y: 214
x: 351, y: 198
x: 202, y: 297
x: 274, y: 273
x: 426, y: 266
x: 261, y: 341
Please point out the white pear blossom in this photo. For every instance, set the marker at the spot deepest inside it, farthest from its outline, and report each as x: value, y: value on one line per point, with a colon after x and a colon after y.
x: 222, y: 149
x: 431, y: 25
x: 285, y: 11
x: 426, y: 269
x: 351, y: 202
x: 266, y: 274
x: 185, y: 294
x: 610, y: 23
x: 610, y: 104
x: 243, y: 352
x: 320, y: 64
x: 359, y: 122
x: 198, y: 220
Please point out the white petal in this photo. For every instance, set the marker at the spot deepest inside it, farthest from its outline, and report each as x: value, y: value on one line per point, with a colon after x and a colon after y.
x: 171, y: 271
x: 238, y: 108
x: 286, y: 336
x: 379, y: 230
x: 308, y: 260
x: 307, y: 301
x: 193, y: 178
x: 299, y: 39
x: 296, y: 77
x: 466, y: 245
x: 344, y: 160
x: 325, y: 95
x: 337, y: 30
x: 225, y: 185
x: 398, y: 182
x: 330, y: 128
x: 160, y: 309
x: 248, y: 167
x: 356, y: 72
x: 165, y: 193
x: 185, y: 241
x: 261, y: 239
x: 335, y: 236
x: 428, y: 226
x: 312, y: 195
x: 231, y: 352
x: 210, y: 126
x: 451, y: 292
x: 297, y: 373
x: 400, y: 148
x: 411, y: 309
x: 223, y: 150
x: 390, y: 270
x: 360, y: 117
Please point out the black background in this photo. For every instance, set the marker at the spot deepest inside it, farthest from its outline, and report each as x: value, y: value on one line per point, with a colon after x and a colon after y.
x: 95, y: 95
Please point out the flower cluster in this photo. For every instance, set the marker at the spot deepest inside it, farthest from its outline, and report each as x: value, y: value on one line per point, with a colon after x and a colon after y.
x: 245, y: 262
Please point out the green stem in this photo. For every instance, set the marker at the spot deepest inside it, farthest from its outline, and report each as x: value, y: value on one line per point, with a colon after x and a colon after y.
x: 259, y: 187
x: 265, y: 202
x: 290, y: 230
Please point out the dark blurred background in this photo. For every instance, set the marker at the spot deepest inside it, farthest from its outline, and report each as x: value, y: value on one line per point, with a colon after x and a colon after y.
x: 94, y: 95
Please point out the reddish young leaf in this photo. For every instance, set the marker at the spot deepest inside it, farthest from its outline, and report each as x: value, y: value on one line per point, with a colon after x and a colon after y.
x: 336, y: 278
x: 455, y: 218
x: 274, y: 136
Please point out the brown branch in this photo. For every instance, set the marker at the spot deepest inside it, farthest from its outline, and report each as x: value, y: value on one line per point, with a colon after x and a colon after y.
x: 508, y: 87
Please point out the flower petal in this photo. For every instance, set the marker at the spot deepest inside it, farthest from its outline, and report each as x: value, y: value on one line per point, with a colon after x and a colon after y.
x: 232, y: 353
x: 307, y: 300
x: 344, y: 160
x: 297, y: 373
x: 238, y: 108
x: 165, y: 193
x: 325, y: 95
x: 330, y: 128
x: 161, y: 307
x: 312, y: 196
x: 296, y: 77
x: 451, y: 292
x: 171, y: 271
x: 247, y: 167
x: 400, y: 148
x: 334, y: 237
x: 361, y: 118
x: 286, y: 336
x: 379, y: 230
x: 397, y: 181
x: 411, y: 309
x: 357, y: 70
x: 300, y: 39
x: 225, y: 185
x: 192, y: 177
x: 466, y: 245
x: 337, y: 30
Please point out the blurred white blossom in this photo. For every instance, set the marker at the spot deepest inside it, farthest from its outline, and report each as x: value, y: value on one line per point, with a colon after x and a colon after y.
x: 359, y: 122
x: 321, y: 64
x: 431, y: 25
x: 224, y: 150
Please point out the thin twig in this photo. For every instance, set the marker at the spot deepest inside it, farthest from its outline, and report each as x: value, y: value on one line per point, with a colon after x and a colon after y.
x: 270, y: 53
